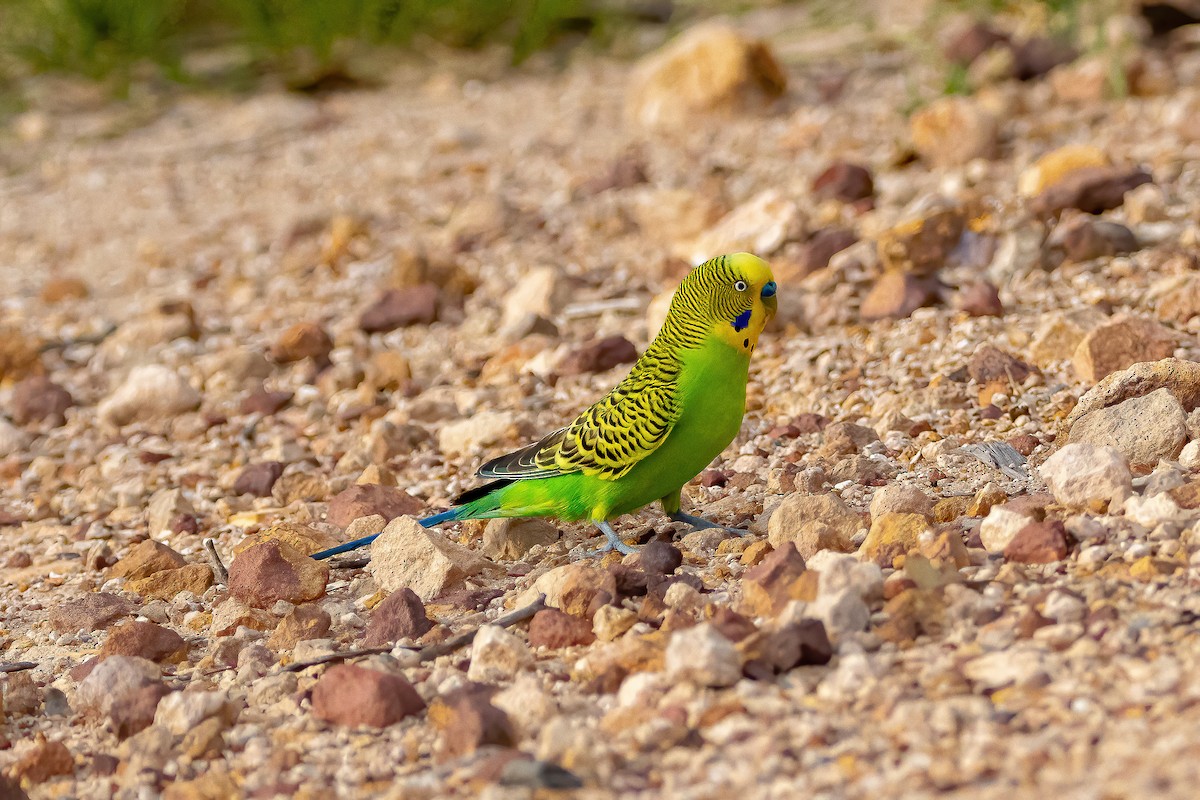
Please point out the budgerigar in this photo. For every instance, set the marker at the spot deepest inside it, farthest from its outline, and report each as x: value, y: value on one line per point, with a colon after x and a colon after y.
x: 679, y: 407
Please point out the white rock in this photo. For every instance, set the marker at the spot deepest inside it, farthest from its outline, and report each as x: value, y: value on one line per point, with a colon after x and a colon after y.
x: 1081, y: 473
x: 1146, y: 429
x: 1063, y: 607
x: 1189, y: 456
x: 179, y: 712
x: 408, y: 556
x: 149, y: 392
x: 703, y: 656
x: 479, y: 430
x: 843, y: 570
x: 761, y: 225
x: 540, y: 291
x: 814, y: 522
x: 642, y: 689
x: 901, y: 498
x: 842, y: 611
x: 497, y: 655
x: 1150, y: 511
x: 164, y: 506
x: 1000, y: 527
x: 510, y: 539
x: 527, y: 703
x: 1007, y: 667
x: 112, y: 683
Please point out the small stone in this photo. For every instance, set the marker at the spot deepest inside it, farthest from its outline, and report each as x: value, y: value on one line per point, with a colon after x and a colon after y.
x: 598, y: 356
x: 901, y: 498
x: 1092, y: 190
x: 60, y: 288
x: 554, y: 629
x: 610, y: 622
x: 1081, y: 474
x: 91, y: 612
x: 1148, y: 568
x: 814, y: 523
x: 475, y: 432
x: 701, y: 655
x: 497, y: 655
x: 355, y: 696
x: 164, y: 506
x: 258, y: 479
x: 180, y: 712
x: 1084, y: 239
x: 37, y: 399
x: 151, y: 391
x: 896, y: 295
x: 272, y: 571
x: 709, y: 68
x: 21, y: 694
x: 1000, y: 527
x: 45, y: 760
x: 364, y: 500
x: 971, y: 42
x: 892, y: 535
x: 265, y: 403
x: 145, y: 559
x: 302, y: 623
x: 951, y: 131
x: 1038, y: 543
x: 921, y: 245
x: 407, y: 555
x: 399, y: 308
x: 779, y: 579
x: 300, y: 341
x: 659, y: 558
x: 980, y: 299
x: 795, y: 644
x: 510, y: 539
x: 1057, y: 165
x: 846, y: 438
x: 1189, y: 456
x: 124, y: 690
x: 842, y: 611
x: 844, y: 182
x: 1121, y: 343
x: 989, y: 364
x: 1180, y: 378
x: 400, y: 616
x: 305, y: 538
x: 1057, y: 338
x: 1145, y: 429
x: 822, y: 246
x: 145, y: 640
x: 762, y: 225
x: 578, y: 588
x: 467, y: 721
x: 232, y: 614
x: 300, y: 487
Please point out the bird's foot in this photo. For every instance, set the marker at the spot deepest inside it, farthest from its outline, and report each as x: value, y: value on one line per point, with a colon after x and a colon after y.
x: 700, y: 523
x: 614, y: 542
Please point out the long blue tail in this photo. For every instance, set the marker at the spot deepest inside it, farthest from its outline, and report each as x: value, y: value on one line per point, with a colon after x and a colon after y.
x: 428, y: 522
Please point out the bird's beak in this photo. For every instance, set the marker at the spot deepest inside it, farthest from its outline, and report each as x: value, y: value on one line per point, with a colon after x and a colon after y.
x: 770, y: 301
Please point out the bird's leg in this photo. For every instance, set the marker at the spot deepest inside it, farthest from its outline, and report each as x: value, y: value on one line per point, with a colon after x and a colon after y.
x: 700, y: 523
x: 614, y: 542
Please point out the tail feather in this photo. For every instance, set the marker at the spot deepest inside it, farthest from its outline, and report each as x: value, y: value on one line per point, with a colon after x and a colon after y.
x: 428, y: 522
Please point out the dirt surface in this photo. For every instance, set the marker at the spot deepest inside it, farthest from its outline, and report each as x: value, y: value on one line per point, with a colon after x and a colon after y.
x: 221, y: 315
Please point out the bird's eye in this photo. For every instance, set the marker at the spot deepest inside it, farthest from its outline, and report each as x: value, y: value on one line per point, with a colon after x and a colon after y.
x: 740, y: 286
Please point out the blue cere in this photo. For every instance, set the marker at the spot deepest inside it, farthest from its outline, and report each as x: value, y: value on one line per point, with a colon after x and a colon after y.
x: 769, y: 289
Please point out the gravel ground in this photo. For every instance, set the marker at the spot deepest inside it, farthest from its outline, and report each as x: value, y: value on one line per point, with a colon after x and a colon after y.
x: 259, y: 320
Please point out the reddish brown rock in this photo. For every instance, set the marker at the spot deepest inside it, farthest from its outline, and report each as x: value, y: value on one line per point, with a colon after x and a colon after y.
x: 732, y: 625
x: 398, y: 308
x: 145, y: 559
x: 897, y: 295
x: 137, y: 713
x: 1120, y: 343
x: 846, y: 438
x: 980, y: 299
x: 1037, y: 55
x: 1090, y: 189
x: 44, y: 761
x: 307, y: 621
x: 845, y: 182
x: 145, y: 640
x: 1085, y: 239
x: 38, y: 398
x: 1038, y: 543
x: 822, y: 246
x: 258, y: 479
x: 264, y: 402
x: 659, y: 558
x: 771, y: 585
x: 767, y: 654
x: 552, y: 628
x: 363, y: 500
x: 598, y: 356
x: 989, y: 363
x: 91, y: 612
x: 400, y: 616
x: 467, y: 721
x: 272, y: 571
x: 971, y: 42
x: 300, y: 341
x: 355, y: 696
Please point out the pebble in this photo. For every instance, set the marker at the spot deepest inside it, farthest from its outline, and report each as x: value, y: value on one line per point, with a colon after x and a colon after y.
x: 599, y: 355
x: 821, y: 247
x: 701, y: 655
x: 1092, y: 190
x: 893, y: 535
x: 302, y: 623
x: 145, y: 559
x: 408, y: 556
x: 151, y: 391
x: 467, y: 721
x: 1180, y: 378
x: 120, y: 690
x: 356, y: 697
x: 370, y: 499
x: 399, y: 308
x: 39, y: 399
x: 951, y: 131
x: 611, y: 622
x: 511, y: 539
x: 400, y: 616
x: 91, y: 612
x: 1054, y: 167
x: 497, y: 655
x: 814, y: 522
x: 300, y: 341
x: 258, y: 479
x: 144, y: 640
x: 896, y: 295
x: 901, y: 498
x: 761, y: 225
x: 1081, y: 474
x: 579, y: 588
x: 1145, y: 429
x: 180, y: 712
x: 271, y: 571
x: 1037, y: 543
x: 484, y: 429
x: 1120, y: 343
x: 45, y: 760
x: 554, y: 629
x: 1000, y: 527
x: 844, y: 182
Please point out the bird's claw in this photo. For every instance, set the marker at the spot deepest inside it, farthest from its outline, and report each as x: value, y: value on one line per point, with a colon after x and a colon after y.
x: 700, y: 523
x: 614, y: 542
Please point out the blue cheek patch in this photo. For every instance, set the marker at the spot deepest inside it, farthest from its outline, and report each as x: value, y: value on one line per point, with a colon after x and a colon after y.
x: 742, y: 321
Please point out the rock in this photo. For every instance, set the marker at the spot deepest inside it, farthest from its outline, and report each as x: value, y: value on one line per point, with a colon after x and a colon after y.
x: 1120, y: 343
x: 45, y: 760
x: 892, y: 535
x: 91, y: 612
x: 844, y: 182
x: 164, y: 506
x: 300, y: 487
x: 1056, y: 166
x: 510, y: 539
x: 1189, y: 456
x: 302, y: 623
x: 60, y: 288
x: 540, y: 292
x: 399, y: 308
x: 266, y: 573
x: 1180, y: 378
x: 578, y: 588
x: 951, y: 131
x: 822, y: 246
x: 708, y: 68
x: 814, y: 523
x: 307, y: 539
x: 600, y: 355
x: 124, y: 690
x: 467, y: 721
x: 1038, y: 55
x: 145, y: 559
x: 842, y: 611
x: 144, y: 640
x: 554, y: 629
x: 1038, y: 543
x: 12, y: 439
x: 922, y: 244
x: 1084, y: 239
x: 1059, y: 335
x: 22, y: 696
x: 300, y: 341
x: 795, y: 644
x: 659, y: 558
x: 846, y: 438
x: 483, y: 429
x: 1081, y: 474
x: 355, y: 696
x: 969, y: 43
x: 400, y: 616
x: 258, y: 479
x: 989, y: 364
x: 497, y: 655
x: 980, y: 299
x: 1092, y: 190
x: 265, y: 403
x: 37, y: 399
x: 701, y: 655
x: 1145, y: 429
x: 1000, y: 527
x: 776, y: 581
x: 896, y: 295
x: 180, y: 712
x: 761, y: 225
x: 901, y: 498
x: 151, y: 391
x: 407, y: 555
x: 365, y: 500
x: 232, y: 614
x: 610, y: 622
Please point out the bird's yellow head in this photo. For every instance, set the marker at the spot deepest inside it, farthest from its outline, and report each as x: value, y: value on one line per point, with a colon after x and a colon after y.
x: 732, y: 297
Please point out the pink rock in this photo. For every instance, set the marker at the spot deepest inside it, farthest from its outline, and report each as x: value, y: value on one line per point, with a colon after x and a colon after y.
x: 355, y: 696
